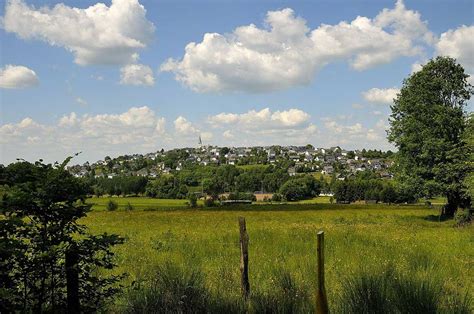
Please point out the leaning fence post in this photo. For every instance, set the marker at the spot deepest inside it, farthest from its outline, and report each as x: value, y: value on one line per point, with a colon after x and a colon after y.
x: 321, y: 299
x: 244, y: 258
x: 72, y: 280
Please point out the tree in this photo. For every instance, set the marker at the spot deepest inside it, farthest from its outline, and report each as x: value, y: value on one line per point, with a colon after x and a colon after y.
x: 427, y: 125
x: 469, y: 137
x: 300, y: 188
x: 41, y: 206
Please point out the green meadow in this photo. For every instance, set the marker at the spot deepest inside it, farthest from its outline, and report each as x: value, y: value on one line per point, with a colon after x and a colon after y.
x: 401, y: 243
x: 139, y: 203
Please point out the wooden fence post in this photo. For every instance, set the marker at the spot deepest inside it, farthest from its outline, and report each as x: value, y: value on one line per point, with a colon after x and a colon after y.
x: 72, y: 280
x: 321, y: 299
x: 244, y: 258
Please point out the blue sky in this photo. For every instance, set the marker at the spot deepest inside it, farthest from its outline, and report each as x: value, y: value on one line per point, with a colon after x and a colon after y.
x: 286, y: 80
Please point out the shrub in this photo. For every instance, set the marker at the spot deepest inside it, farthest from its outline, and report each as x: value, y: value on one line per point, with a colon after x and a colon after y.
x: 34, y: 251
x: 112, y: 205
x: 209, y: 202
x: 462, y: 217
x: 129, y: 207
x: 192, y: 200
x: 300, y: 188
x: 242, y: 196
x: 276, y: 197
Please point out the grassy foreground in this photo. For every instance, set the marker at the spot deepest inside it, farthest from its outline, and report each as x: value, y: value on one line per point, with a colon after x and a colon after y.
x: 401, y: 241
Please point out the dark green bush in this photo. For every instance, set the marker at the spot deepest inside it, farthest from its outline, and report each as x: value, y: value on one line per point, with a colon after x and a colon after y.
x: 209, y: 202
x: 242, y: 196
x: 192, y: 200
x: 276, y: 197
x: 112, y: 205
x: 129, y: 207
x: 462, y: 217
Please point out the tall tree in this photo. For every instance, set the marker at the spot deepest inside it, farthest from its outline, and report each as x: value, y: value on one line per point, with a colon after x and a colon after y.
x: 39, y: 229
x: 469, y: 136
x: 427, y: 124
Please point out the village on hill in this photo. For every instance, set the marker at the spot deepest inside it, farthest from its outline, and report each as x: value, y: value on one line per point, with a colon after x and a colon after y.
x: 333, y: 161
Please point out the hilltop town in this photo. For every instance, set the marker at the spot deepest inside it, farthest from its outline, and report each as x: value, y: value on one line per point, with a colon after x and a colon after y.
x: 333, y: 161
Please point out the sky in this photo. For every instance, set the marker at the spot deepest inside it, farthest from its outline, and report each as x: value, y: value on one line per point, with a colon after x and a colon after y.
x: 134, y: 76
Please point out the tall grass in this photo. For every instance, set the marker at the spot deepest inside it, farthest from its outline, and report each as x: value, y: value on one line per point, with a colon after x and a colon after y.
x: 170, y: 289
x: 392, y: 292
x: 282, y: 254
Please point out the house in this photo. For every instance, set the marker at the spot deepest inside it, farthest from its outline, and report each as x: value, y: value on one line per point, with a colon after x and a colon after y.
x: 328, y: 170
x: 292, y: 171
x: 142, y: 172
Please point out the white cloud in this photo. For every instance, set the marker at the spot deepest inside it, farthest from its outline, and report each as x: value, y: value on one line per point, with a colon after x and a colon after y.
x: 17, y: 76
x: 459, y: 44
x: 263, y: 127
x: 382, y: 96
x: 263, y: 118
x: 81, y: 101
x: 137, y: 74
x: 228, y: 134
x: 355, y: 135
x: 415, y: 67
x: 96, y: 35
x: 287, y: 53
x: 68, y: 120
x: 184, y: 127
x: 137, y: 130
x: 141, y: 130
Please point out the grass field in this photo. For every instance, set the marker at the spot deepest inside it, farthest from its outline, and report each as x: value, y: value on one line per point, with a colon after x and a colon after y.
x: 407, y: 241
x: 139, y: 203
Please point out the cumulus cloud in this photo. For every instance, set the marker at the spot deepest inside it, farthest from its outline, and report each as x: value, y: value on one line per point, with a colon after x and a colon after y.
x: 17, y: 76
x: 355, y: 135
x: 184, y: 127
x: 263, y: 127
x: 383, y: 96
x: 286, y: 52
x: 263, y: 118
x: 99, y: 34
x: 137, y: 74
x: 138, y: 129
x: 459, y: 44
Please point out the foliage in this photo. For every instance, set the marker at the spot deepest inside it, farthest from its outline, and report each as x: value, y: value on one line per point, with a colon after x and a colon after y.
x: 209, y: 202
x: 129, y: 206
x: 463, y: 217
x: 242, y: 196
x: 120, y: 185
x: 41, y: 208
x: 469, y: 138
x: 372, y: 189
x: 276, y: 197
x: 192, y: 200
x: 112, y: 205
x: 300, y: 188
x: 427, y: 125
x: 166, y: 187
